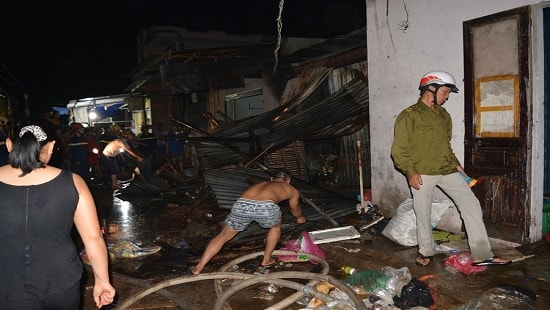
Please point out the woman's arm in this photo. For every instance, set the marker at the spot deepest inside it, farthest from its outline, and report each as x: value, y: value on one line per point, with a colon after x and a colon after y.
x: 87, y: 223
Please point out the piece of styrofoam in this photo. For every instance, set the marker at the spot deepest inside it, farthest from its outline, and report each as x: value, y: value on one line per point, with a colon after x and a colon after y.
x: 334, y: 234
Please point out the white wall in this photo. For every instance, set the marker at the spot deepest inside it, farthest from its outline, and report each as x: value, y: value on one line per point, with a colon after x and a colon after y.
x: 396, y: 61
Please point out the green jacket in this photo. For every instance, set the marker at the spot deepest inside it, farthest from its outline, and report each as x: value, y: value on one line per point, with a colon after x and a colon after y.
x: 422, y: 141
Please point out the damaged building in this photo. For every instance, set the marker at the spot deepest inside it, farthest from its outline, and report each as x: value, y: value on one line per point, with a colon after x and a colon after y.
x: 227, y: 86
x: 306, y: 110
x: 300, y: 113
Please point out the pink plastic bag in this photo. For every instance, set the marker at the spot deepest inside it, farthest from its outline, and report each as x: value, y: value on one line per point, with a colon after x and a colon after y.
x: 302, y: 244
x: 463, y: 262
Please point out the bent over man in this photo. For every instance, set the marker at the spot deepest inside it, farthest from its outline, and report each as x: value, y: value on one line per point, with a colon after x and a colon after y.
x: 258, y: 203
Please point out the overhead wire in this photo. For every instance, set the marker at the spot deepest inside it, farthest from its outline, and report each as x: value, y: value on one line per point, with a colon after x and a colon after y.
x: 279, y: 30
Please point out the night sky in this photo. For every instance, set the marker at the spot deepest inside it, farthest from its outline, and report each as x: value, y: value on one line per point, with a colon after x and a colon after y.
x: 78, y: 49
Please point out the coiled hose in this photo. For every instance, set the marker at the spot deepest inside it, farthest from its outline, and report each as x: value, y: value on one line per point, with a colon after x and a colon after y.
x: 249, y: 279
x: 305, y: 289
x: 287, y: 301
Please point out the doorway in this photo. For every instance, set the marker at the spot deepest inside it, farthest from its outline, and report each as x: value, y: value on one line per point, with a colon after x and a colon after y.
x: 497, y: 118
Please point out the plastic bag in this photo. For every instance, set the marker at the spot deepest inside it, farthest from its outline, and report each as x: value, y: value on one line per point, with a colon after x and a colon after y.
x: 463, y: 262
x: 303, y: 244
x: 397, y: 279
x: 369, y: 279
x: 416, y: 293
x: 402, y: 227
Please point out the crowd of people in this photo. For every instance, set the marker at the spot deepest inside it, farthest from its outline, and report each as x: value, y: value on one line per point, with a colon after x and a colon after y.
x: 115, y: 153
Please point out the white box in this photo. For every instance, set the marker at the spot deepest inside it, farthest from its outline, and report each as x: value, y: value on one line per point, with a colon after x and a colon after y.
x: 334, y: 234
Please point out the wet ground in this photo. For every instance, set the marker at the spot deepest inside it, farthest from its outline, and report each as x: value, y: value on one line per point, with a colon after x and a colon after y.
x: 183, y: 220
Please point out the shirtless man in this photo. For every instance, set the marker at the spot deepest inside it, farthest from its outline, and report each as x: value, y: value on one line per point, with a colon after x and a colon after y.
x: 258, y: 203
x: 109, y: 159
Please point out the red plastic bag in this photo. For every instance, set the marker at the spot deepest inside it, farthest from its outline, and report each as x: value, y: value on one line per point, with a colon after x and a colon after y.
x: 303, y: 244
x: 433, y: 282
x: 463, y: 263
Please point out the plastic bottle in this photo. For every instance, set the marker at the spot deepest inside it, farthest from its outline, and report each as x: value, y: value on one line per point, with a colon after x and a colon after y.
x: 348, y: 270
x: 470, y: 181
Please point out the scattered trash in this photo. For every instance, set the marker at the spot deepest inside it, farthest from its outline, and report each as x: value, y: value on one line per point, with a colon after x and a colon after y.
x: 402, y: 227
x: 369, y: 279
x: 348, y: 270
x: 501, y: 298
x: 355, y: 250
x: 323, y: 287
x: 382, y: 289
x: 374, y: 221
x: 264, y: 295
x: 415, y: 294
x: 397, y: 279
x: 334, y: 234
x: 520, y: 290
x: 129, y: 249
x: 462, y: 262
x: 234, y: 268
x: 523, y: 257
x: 304, y: 301
x: 303, y: 244
x: 270, y: 288
x: 441, y: 236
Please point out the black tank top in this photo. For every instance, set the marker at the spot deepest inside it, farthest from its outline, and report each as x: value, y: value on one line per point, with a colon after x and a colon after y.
x: 37, y: 255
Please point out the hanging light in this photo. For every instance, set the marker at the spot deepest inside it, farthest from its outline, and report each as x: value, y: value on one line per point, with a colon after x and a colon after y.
x: 93, y: 114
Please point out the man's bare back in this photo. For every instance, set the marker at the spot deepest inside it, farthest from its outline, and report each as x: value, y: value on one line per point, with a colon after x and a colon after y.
x: 275, y: 191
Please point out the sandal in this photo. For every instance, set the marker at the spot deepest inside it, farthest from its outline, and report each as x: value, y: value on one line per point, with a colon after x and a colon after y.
x: 260, y: 258
x: 422, y: 260
x: 492, y: 261
x: 273, y: 264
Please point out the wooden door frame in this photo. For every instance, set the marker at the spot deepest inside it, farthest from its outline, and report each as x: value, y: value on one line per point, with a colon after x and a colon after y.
x: 538, y: 77
x: 521, y: 142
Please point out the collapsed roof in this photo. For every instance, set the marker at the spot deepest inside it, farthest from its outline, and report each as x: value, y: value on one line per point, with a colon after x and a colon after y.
x: 341, y: 113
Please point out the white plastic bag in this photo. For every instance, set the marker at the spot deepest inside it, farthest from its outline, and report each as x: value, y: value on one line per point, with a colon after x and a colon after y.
x: 397, y: 279
x: 402, y: 227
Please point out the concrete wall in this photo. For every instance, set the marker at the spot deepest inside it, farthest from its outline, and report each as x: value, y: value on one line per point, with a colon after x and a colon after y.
x: 398, y: 57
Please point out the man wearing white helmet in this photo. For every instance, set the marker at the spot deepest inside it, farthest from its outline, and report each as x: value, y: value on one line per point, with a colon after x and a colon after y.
x: 422, y: 151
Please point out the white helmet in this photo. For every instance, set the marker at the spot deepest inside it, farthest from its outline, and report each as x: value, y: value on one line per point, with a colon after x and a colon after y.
x: 441, y: 78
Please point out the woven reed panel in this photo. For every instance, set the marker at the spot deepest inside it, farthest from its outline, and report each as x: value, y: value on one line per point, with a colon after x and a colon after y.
x: 291, y: 157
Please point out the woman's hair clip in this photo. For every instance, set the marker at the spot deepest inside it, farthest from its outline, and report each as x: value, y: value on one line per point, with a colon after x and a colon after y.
x: 37, y: 132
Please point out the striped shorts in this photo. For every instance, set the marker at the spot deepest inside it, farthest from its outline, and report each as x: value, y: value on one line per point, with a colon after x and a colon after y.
x: 244, y: 211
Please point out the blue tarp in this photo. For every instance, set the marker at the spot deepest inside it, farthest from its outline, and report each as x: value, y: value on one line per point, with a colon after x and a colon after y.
x: 108, y: 111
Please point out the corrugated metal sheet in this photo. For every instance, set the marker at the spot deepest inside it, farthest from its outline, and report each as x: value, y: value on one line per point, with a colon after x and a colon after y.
x: 220, y: 68
x: 340, y: 114
x: 228, y: 185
